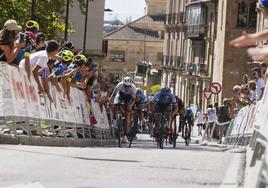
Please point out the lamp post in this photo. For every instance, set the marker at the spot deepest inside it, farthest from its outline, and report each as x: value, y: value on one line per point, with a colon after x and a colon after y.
x: 66, y: 20
x: 85, y: 29
x: 33, y: 10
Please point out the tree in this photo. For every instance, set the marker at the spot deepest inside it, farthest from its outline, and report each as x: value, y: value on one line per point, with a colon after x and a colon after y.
x: 49, y: 14
x: 155, y: 88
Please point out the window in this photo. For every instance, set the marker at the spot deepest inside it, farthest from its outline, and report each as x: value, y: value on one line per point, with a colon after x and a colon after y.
x: 196, y: 20
x: 242, y: 17
x: 252, y: 15
x: 246, y: 14
x: 160, y: 56
x: 198, y: 52
x: 117, y: 56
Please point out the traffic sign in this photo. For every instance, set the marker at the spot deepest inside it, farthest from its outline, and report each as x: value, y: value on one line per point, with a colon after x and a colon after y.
x: 207, y: 94
x: 215, y: 88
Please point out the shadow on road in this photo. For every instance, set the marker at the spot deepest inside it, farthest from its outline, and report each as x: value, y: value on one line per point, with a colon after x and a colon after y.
x: 72, y: 157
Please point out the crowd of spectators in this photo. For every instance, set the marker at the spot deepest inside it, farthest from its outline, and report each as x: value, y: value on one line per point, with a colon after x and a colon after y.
x: 51, y: 63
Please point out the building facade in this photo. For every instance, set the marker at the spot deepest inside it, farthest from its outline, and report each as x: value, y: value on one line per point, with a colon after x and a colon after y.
x: 196, y: 49
x: 137, y: 42
x: 94, y: 27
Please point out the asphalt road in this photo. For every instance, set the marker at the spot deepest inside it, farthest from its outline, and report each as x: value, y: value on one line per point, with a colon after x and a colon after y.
x: 142, y: 166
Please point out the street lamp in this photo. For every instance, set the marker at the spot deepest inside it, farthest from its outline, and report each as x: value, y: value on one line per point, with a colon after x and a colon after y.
x: 85, y: 29
x: 66, y: 20
x: 33, y: 10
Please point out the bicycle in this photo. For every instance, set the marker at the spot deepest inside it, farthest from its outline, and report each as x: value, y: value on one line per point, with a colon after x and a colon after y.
x: 120, y: 124
x: 134, y: 129
x: 186, y: 133
x: 161, y: 129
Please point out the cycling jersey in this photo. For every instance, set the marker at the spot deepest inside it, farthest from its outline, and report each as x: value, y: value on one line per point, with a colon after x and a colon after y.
x: 159, y: 99
x: 123, y: 93
x: 58, y: 70
x: 77, y: 76
x: 140, y: 98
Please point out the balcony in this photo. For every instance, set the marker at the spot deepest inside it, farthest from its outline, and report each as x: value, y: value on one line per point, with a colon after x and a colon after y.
x: 196, y: 20
x: 195, y: 69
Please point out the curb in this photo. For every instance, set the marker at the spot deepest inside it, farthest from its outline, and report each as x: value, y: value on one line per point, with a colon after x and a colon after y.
x: 54, y: 142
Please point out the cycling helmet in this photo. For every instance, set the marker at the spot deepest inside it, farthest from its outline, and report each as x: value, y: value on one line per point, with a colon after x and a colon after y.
x: 67, y: 55
x: 127, y: 81
x: 264, y: 3
x: 139, y: 91
x: 32, y: 25
x: 165, y: 90
x: 68, y: 45
x: 81, y: 58
x: 189, y: 111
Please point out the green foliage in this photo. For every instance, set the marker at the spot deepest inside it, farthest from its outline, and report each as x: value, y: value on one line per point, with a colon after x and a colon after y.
x: 49, y: 13
x: 155, y: 88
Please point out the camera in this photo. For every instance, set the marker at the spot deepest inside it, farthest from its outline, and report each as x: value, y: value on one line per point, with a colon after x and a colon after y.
x: 28, y: 38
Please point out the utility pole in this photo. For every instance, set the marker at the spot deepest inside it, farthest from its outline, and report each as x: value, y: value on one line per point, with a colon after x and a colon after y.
x: 66, y: 20
x: 33, y: 10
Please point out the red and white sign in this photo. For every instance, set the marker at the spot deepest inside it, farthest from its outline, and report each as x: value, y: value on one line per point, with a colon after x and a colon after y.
x: 207, y: 94
x: 215, y: 88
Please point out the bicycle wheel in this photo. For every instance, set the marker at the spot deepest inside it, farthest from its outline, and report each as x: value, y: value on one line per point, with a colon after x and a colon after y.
x: 186, y: 133
x: 134, y: 129
x: 119, y: 129
x: 161, y: 135
x: 174, y: 136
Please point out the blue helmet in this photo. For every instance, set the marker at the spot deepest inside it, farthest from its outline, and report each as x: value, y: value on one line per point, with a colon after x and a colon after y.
x: 264, y: 3
x: 139, y: 91
x: 189, y: 111
x: 165, y: 90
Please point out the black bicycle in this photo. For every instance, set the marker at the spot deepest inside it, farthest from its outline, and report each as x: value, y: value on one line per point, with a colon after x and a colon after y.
x: 120, y: 124
x: 174, y: 134
x: 135, y: 126
x: 186, y: 135
x: 162, y: 123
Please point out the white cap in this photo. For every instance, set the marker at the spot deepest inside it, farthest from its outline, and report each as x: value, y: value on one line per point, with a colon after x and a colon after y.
x: 12, y: 25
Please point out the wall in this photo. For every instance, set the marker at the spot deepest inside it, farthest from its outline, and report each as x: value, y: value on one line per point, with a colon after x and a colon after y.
x: 94, y: 27
x: 134, y: 53
x: 156, y: 6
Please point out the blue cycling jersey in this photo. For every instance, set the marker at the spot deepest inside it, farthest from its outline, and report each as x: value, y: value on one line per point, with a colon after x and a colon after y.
x: 140, y: 97
x: 59, y: 69
x: 159, y: 99
x: 77, y: 76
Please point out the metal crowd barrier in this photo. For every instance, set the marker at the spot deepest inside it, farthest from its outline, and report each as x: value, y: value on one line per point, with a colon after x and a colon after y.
x: 27, y: 117
x: 250, y: 128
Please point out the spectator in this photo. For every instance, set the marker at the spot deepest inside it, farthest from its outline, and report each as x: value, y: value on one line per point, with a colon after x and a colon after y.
x: 263, y: 67
x: 252, y: 88
x: 212, y: 117
x: 223, y: 118
x: 260, y: 84
x: 245, y: 95
x: 10, y: 49
x: 236, y: 97
x: 200, y: 118
x: 39, y: 60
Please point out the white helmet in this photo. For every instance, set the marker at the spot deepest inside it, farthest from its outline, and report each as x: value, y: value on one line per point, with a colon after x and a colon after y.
x: 127, y: 81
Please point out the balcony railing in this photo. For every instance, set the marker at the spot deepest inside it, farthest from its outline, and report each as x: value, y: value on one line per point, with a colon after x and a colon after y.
x: 195, y: 69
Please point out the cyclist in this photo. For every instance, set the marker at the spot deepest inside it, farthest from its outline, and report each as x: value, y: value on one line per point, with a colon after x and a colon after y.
x: 187, y: 116
x: 165, y: 101
x: 123, y: 97
x: 140, y: 104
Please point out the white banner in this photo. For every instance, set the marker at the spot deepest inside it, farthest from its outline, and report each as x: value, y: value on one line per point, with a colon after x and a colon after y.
x: 19, y: 97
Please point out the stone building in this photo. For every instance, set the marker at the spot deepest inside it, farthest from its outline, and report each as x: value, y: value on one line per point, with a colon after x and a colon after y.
x: 196, y: 50
x: 138, y: 41
x: 94, y: 27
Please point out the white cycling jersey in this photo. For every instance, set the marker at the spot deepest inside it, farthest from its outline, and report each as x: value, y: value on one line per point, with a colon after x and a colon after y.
x: 125, y: 90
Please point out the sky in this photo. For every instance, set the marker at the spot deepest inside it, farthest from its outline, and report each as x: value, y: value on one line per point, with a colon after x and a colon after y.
x: 124, y: 8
